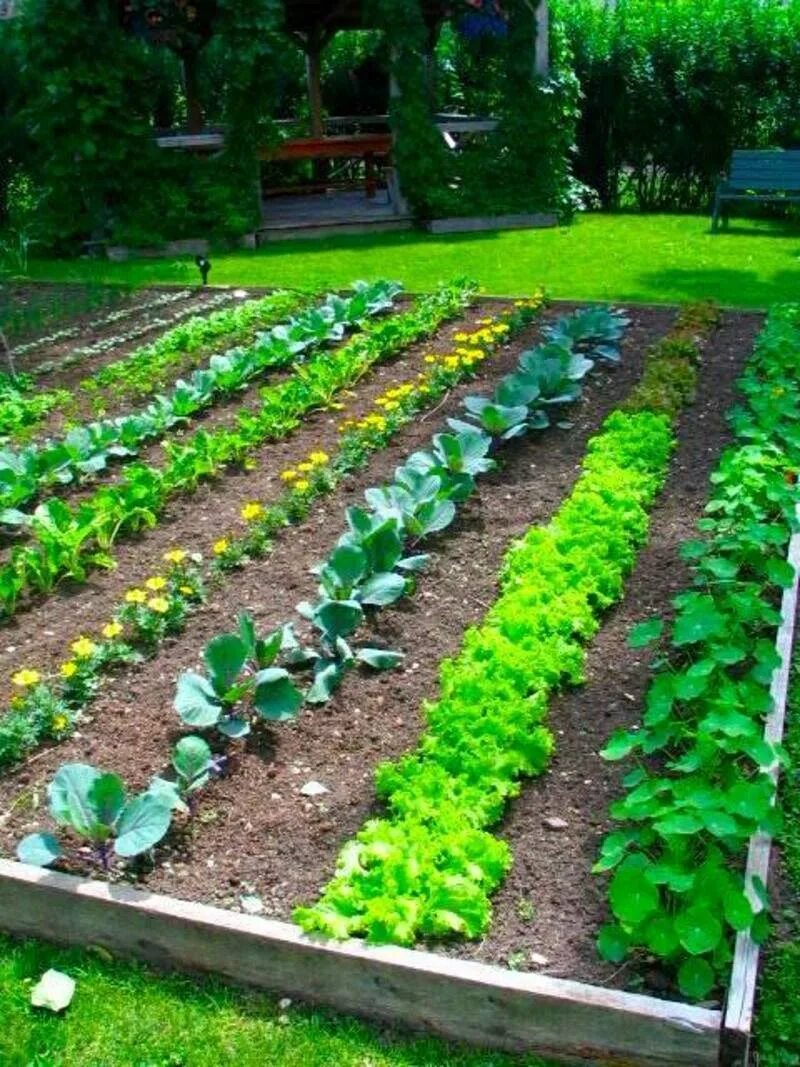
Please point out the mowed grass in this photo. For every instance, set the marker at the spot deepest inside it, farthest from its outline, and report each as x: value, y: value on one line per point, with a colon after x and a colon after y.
x: 123, y: 1015
x: 643, y: 258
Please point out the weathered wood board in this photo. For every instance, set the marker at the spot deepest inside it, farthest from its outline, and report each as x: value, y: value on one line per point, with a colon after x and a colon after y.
x: 463, y: 1001
x: 738, y: 1020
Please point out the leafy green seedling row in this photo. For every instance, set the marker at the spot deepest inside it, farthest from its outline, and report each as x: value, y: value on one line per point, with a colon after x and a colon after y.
x: 375, y: 562
x: 144, y: 366
x: 86, y: 450
x: 68, y: 541
x: 699, y: 788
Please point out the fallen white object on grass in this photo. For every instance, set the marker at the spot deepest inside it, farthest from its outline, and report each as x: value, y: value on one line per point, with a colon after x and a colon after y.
x: 54, y: 991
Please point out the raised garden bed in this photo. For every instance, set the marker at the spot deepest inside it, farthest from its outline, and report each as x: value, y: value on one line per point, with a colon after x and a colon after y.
x: 260, y: 837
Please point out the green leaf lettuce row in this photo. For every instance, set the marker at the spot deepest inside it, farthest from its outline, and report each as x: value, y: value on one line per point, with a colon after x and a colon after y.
x: 429, y: 867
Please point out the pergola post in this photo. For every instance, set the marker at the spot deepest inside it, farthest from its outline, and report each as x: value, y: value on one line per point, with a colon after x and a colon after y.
x: 541, y: 63
x: 313, y: 49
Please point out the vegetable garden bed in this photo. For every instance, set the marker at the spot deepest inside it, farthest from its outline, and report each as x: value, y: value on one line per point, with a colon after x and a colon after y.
x: 268, y: 830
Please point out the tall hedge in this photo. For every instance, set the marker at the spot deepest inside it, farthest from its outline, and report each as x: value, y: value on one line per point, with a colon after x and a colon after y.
x: 670, y: 87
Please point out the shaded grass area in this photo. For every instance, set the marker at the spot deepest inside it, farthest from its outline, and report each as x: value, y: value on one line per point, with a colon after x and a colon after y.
x: 644, y: 258
x: 778, y: 1021
x: 124, y: 1016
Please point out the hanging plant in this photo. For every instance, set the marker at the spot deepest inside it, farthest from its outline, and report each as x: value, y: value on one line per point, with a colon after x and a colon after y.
x: 485, y: 19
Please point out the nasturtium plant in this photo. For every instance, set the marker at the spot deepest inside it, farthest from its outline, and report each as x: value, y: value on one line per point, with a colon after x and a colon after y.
x: 95, y: 808
x: 701, y: 786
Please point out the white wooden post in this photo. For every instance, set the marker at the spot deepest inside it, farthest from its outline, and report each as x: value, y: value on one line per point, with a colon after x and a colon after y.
x: 541, y: 64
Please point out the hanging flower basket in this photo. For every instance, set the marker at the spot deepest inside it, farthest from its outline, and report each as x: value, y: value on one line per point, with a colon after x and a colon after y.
x: 485, y: 19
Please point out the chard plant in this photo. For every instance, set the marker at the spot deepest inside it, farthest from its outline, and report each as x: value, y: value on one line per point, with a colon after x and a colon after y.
x: 92, y: 806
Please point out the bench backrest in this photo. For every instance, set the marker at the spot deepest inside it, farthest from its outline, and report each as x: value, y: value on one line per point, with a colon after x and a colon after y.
x: 768, y: 169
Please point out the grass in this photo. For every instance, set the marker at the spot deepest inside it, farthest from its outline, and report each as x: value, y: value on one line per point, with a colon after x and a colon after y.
x: 778, y: 1020
x: 122, y: 1016
x: 645, y: 258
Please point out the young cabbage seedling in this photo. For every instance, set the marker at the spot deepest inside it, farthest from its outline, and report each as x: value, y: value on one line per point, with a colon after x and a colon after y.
x: 194, y: 764
x: 94, y: 806
x: 241, y: 677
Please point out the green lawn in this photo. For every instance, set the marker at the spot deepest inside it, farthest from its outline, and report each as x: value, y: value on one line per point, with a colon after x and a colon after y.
x: 600, y: 257
x: 123, y: 1016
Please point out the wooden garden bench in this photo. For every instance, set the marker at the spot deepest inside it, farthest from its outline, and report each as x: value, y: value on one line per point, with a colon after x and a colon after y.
x: 761, y: 176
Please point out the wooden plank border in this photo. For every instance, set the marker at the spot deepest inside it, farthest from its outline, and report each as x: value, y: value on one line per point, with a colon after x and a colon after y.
x: 738, y: 1018
x: 460, y: 1000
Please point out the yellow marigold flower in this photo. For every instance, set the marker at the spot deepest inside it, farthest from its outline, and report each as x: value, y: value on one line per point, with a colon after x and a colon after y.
x: 319, y: 458
x: 175, y: 555
x: 289, y: 476
x: 391, y: 405
x: 112, y: 630
x: 221, y: 546
x: 135, y: 596
x: 305, y: 467
x: 60, y: 722
x: 429, y: 359
x: 158, y: 604
x: 250, y: 464
x: 501, y: 327
x: 156, y: 583
x: 381, y: 401
x: 252, y: 511
x: 451, y: 362
x: 301, y: 485
x: 187, y: 590
x: 68, y: 669
x: 519, y: 303
x: 461, y: 336
x: 83, y: 647
x: 26, y: 677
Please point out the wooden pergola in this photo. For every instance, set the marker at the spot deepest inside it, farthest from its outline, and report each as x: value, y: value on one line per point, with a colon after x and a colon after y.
x: 314, y: 22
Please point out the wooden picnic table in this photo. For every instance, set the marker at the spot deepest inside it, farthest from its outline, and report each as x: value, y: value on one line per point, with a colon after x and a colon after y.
x: 369, y: 147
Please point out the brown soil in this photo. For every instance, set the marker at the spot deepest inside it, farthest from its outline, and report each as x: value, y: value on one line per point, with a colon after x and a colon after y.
x: 256, y: 832
x: 89, y: 334
x: 373, y: 716
x: 196, y: 521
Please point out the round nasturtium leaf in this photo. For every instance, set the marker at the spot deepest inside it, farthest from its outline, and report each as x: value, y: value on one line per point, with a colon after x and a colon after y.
x: 632, y: 896
x: 738, y: 909
x: 698, y: 929
x: 661, y: 936
x: 613, y: 943
x: 696, y: 978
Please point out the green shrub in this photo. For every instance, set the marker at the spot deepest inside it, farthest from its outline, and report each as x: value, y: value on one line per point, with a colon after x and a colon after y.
x: 671, y: 87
